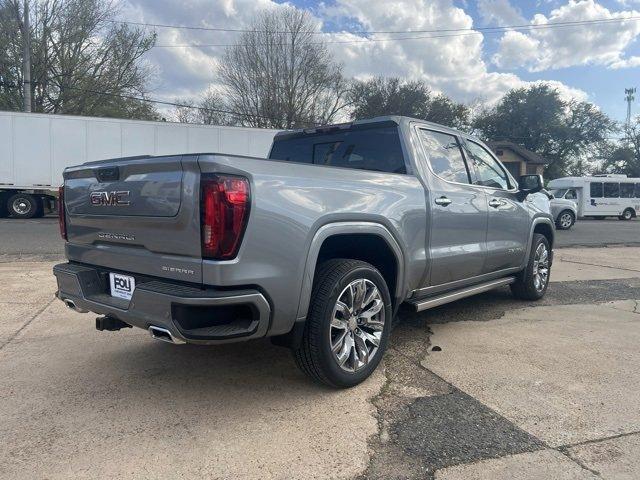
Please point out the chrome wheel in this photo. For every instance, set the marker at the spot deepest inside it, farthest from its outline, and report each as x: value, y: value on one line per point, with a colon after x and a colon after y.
x: 21, y: 206
x: 541, y: 267
x: 357, y: 324
x: 566, y: 220
x: 627, y: 215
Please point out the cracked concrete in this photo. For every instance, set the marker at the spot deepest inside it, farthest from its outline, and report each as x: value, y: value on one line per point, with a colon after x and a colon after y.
x: 79, y: 403
x: 615, y: 457
x: 570, y: 368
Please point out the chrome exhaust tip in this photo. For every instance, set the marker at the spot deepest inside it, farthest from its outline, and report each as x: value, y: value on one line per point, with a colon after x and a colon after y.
x: 71, y: 304
x: 163, y: 335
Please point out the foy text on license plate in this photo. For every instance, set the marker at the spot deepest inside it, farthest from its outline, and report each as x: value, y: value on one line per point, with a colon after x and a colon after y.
x: 122, y: 286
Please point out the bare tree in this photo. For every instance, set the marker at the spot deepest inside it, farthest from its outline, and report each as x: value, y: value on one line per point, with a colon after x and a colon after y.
x: 82, y: 62
x: 280, y: 75
x: 209, y: 110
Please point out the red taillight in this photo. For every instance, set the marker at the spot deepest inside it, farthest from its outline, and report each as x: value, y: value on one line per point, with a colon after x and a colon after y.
x: 225, y: 210
x: 62, y: 221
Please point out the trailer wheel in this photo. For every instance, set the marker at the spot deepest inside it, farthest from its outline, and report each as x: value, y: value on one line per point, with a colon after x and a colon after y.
x: 24, y: 205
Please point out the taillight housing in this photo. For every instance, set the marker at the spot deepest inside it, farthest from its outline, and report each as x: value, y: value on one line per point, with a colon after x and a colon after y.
x: 225, y: 202
x: 62, y: 218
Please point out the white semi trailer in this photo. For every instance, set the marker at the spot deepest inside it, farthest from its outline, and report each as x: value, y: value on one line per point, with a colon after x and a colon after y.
x: 35, y: 149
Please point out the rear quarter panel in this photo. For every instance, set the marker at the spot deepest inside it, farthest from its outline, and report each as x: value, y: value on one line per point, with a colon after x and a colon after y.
x: 290, y: 202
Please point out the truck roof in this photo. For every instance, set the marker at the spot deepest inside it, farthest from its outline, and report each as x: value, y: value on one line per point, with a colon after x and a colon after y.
x: 384, y: 119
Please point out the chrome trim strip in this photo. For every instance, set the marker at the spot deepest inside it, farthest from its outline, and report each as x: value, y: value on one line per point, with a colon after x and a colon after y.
x: 465, y: 282
x: 459, y: 294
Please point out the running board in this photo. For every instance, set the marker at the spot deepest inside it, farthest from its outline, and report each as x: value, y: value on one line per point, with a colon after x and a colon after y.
x: 431, y: 302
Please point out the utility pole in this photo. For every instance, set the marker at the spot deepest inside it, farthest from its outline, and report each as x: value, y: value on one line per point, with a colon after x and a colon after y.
x: 26, y: 58
x: 629, y: 97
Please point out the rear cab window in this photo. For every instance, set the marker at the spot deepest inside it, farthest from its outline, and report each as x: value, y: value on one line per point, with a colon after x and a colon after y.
x: 374, y: 147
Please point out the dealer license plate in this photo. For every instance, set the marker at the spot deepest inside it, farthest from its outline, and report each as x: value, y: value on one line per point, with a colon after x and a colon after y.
x: 122, y: 286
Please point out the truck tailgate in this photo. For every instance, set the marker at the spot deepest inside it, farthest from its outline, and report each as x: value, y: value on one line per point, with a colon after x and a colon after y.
x: 137, y: 215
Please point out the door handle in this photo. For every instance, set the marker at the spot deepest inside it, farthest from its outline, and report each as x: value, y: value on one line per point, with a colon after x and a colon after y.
x: 495, y: 203
x: 444, y: 201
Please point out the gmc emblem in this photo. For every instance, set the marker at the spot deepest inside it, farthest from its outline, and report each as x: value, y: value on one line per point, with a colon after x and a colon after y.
x: 113, y: 199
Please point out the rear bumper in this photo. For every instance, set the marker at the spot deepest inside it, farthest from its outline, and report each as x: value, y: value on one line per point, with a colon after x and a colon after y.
x: 190, y: 314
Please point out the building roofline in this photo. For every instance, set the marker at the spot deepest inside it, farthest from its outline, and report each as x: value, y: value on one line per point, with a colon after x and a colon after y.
x: 528, y: 155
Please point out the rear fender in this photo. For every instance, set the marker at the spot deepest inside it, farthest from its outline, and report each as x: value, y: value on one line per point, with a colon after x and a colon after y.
x: 342, y: 228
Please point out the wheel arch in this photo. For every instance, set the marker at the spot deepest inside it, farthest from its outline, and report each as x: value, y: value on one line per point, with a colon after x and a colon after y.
x: 338, y: 240
x: 543, y: 226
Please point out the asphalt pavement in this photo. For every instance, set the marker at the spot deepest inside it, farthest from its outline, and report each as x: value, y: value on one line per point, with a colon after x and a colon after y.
x: 30, y: 238
x: 596, y: 233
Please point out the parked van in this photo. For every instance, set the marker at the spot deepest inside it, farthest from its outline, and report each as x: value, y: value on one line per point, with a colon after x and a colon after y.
x: 600, y: 195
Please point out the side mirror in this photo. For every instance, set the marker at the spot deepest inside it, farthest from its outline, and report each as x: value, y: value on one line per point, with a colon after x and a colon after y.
x: 530, y: 184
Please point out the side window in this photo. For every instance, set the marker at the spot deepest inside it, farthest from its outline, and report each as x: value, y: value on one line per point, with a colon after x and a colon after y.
x: 637, y: 190
x: 595, y: 190
x: 489, y: 172
x: 571, y: 195
x: 445, y: 156
x: 626, y: 190
x: 611, y: 190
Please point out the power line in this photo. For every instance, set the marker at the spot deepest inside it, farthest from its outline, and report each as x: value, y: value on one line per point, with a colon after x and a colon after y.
x: 206, y: 45
x: 461, y: 33
x: 371, y: 32
x: 159, y: 102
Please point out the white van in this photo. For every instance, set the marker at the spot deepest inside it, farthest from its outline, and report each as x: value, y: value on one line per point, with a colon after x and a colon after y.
x: 600, y: 195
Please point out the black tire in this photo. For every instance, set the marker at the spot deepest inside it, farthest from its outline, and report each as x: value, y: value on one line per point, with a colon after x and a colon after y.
x: 628, y: 214
x: 4, y: 212
x: 525, y: 287
x: 314, y: 355
x: 40, y: 212
x: 23, y: 205
x: 563, y: 223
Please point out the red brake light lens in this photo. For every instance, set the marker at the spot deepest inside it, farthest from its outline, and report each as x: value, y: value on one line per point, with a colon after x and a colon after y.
x: 225, y: 211
x: 62, y: 220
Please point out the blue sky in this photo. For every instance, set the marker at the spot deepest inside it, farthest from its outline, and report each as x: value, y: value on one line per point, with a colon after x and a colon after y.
x: 594, y: 61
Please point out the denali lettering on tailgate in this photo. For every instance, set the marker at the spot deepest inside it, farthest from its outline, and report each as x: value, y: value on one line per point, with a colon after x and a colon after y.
x: 117, y: 199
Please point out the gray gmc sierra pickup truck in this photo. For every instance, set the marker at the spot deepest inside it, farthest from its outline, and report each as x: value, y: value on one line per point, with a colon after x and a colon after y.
x: 316, y: 246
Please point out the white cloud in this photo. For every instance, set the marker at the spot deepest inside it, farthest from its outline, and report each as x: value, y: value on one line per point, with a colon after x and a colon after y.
x: 187, y: 72
x: 560, y: 47
x: 453, y: 65
x: 499, y: 12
